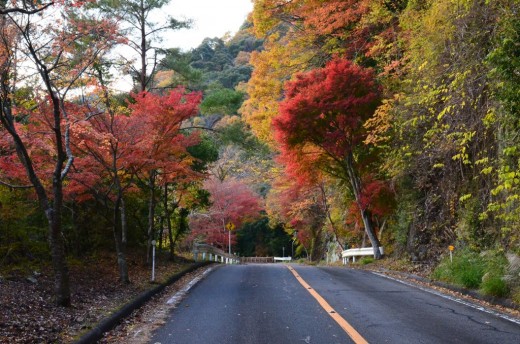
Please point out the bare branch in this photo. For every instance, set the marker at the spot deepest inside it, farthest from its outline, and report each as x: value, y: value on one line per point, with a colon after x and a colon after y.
x: 11, y: 186
x: 25, y: 11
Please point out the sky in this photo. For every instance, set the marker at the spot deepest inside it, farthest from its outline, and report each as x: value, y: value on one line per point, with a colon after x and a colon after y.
x: 212, y: 18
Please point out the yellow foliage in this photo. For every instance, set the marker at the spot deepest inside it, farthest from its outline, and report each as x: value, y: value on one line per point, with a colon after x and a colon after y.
x: 379, y: 125
x: 281, y: 59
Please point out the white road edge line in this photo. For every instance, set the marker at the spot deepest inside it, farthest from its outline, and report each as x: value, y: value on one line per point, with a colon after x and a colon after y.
x: 464, y: 302
x: 178, y: 295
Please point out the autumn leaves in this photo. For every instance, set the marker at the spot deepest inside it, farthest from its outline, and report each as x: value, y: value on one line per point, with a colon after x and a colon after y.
x: 320, y: 126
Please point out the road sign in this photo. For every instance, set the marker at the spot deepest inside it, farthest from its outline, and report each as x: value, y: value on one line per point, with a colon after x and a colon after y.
x: 230, y: 226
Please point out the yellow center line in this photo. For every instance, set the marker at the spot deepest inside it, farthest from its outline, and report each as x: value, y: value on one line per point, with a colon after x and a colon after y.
x: 352, y: 333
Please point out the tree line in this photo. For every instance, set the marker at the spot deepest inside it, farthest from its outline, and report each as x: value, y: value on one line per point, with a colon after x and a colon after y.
x: 394, y: 122
x: 111, y: 169
x: 320, y: 125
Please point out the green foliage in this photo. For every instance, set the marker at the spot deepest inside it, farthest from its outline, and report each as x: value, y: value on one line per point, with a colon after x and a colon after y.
x: 405, y: 214
x: 259, y: 239
x: 494, y: 285
x: 215, y: 61
x: 366, y: 260
x: 229, y: 77
x: 493, y: 281
x: 504, y: 61
x: 466, y: 270
x: 470, y: 227
x: 180, y: 63
x: 223, y: 101
x: 470, y: 269
x: 204, y: 152
x: 22, y: 230
x: 447, y: 134
x: 237, y: 133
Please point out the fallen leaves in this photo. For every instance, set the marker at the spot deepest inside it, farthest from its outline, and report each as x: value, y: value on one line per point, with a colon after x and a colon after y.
x: 27, y: 312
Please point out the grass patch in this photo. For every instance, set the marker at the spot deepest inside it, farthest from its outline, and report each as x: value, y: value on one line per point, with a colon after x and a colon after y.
x: 494, y: 285
x: 472, y: 270
x: 366, y: 260
x: 466, y: 270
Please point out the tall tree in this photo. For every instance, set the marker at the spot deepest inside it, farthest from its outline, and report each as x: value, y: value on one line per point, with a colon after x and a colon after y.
x: 142, y: 32
x: 166, y: 148
x: 60, y: 52
x: 323, y: 114
x: 125, y: 146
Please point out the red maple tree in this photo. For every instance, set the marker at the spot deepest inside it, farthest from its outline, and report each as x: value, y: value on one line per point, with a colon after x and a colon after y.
x: 323, y: 115
x: 116, y: 148
x: 232, y: 201
x: 166, y: 146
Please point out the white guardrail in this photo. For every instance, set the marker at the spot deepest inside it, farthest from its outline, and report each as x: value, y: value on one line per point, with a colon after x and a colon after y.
x: 282, y: 259
x: 213, y: 254
x: 357, y: 252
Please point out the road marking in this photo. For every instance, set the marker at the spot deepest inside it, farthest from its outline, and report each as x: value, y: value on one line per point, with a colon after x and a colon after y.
x: 451, y: 298
x: 352, y: 333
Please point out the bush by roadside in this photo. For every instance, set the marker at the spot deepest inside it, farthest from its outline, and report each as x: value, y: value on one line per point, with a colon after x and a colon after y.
x: 486, y: 271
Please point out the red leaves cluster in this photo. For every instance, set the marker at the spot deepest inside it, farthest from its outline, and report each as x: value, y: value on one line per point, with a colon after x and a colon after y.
x: 339, y: 19
x: 131, y: 141
x: 232, y: 201
x: 162, y: 118
x: 36, y: 130
x: 320, y: 129
x: 327, y: 108
x: 131, y: 144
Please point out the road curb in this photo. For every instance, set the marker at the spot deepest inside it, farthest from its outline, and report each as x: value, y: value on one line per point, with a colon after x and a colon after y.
x: 115, y: 318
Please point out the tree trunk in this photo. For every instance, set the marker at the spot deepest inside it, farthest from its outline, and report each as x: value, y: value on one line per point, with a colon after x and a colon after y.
x: 167, y: 218
x: 144, y: 48
x: 357, y: 189
x: 151, y: 216
x: 335, y: 231
x: 124, y: 222
x: 52, y: 212
x: 59, y: 263
x: 183, y: 228
x: 161, y: 232
x: 170, y: 236
x: 367, y: 220
x: 119, y: 222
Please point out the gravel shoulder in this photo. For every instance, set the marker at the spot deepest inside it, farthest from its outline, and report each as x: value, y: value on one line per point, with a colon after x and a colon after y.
x: 139, y: 326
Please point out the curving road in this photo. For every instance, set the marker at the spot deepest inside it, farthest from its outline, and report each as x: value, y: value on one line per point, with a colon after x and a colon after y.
x: 277, y: 304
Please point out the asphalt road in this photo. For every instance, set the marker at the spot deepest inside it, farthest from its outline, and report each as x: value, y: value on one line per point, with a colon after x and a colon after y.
x: 268, y: 304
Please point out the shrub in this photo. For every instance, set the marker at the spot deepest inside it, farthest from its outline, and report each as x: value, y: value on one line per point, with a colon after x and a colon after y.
x: 494, y: 285
x: 466, y: 270
x: 472, y: 270
x: 366, y: 260
x: 493, y: 282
